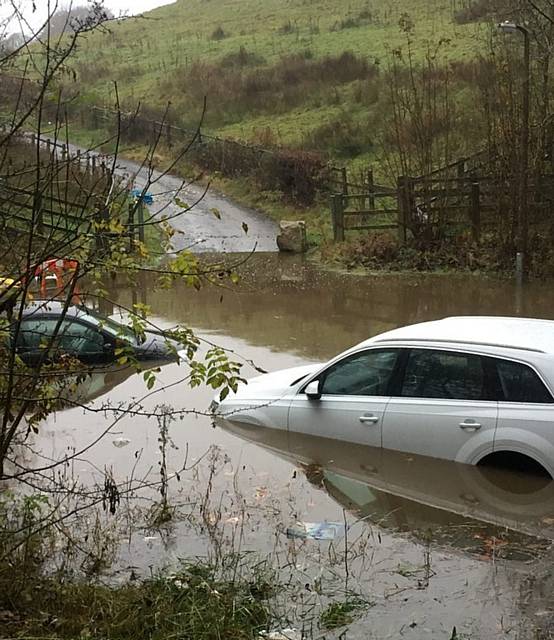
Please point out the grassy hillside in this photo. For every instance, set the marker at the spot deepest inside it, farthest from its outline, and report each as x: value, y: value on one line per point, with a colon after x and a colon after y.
x: 263, y: 64
x: 174, y: 36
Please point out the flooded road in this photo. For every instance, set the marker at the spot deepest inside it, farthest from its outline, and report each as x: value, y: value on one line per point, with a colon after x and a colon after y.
x: 425, y: 545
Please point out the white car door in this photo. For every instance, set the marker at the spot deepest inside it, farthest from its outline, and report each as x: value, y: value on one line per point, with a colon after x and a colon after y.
x: 354, y: 394
x: 525, y: 413
x: 445, y: 407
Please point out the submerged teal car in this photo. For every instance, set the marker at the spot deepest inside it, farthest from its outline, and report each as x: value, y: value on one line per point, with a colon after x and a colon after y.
x: 86, y: 335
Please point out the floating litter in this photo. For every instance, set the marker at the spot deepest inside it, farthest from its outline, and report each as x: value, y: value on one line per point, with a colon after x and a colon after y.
x: 316, y: 530
x: 120, y: 442
x: 283, y: 634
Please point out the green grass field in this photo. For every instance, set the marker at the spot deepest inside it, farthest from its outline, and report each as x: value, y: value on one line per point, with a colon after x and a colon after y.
x: 176, y: 35
x: 181, y: 52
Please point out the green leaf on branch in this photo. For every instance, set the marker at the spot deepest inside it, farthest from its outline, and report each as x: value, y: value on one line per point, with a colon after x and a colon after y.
x: 181, y: 203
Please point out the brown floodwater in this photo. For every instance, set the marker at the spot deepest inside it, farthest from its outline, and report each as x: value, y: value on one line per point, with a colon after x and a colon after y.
x: 428, y: 545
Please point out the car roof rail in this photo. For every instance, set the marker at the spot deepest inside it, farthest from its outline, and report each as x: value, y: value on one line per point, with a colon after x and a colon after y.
x: 461, y: 343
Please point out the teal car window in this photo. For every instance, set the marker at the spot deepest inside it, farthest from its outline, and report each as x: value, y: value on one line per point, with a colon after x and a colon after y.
x: 73, y: 337
x: 361, y: 374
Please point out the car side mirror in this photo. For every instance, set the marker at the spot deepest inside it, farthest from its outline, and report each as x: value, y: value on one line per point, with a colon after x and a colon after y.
x: 312, y: 390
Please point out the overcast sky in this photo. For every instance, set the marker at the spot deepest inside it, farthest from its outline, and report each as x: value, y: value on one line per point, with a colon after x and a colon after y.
x: 37, y: 18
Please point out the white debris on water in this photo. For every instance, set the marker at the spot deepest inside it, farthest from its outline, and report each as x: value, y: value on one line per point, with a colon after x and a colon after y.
x: 283, y: 634
x: 121, y: 442
x: 316, y: 530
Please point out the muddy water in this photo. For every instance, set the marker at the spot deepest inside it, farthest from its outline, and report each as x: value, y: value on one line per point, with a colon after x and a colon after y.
x: 429, y: 545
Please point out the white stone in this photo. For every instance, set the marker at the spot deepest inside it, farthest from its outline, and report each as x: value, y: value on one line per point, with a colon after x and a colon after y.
x: 292, y: 236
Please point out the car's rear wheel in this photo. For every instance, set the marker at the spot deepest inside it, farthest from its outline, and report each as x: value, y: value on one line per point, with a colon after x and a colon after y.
x: 513, y: 461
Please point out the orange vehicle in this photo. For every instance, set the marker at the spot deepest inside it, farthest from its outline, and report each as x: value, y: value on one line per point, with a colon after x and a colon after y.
x: 52, y: 277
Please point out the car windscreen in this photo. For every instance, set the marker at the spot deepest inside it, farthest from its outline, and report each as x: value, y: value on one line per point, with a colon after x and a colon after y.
x: 116, y: 329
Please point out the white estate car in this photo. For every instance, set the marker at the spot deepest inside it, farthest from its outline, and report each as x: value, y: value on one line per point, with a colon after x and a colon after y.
x: 470, y: 389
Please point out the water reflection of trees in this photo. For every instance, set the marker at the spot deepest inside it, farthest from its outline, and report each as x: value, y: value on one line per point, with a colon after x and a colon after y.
x: 293, y: 307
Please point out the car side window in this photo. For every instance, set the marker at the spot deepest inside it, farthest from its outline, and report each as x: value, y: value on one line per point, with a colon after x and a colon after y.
x: 34, y: 332
x: 445, y: 374
x: 361, y: 374
x: 521, y: 384
x: 73, y: 337
x: 79, y: 339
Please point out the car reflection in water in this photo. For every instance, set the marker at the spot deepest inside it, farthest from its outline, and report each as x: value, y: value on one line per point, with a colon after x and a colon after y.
x: 99, y: 381
x: 96, y: 382
x: 466, y: 507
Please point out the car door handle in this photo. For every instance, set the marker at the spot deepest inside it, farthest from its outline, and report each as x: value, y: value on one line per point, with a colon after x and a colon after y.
x: 369, y: 419
x: 468, y: 425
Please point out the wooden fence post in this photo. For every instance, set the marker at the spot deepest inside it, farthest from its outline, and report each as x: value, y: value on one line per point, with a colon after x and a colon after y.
x: 344, y: 177
x: 475, y: 211
x: 370, y: 189
x: 140, y: 212
x: 337, y: 216
x: 461, y: 168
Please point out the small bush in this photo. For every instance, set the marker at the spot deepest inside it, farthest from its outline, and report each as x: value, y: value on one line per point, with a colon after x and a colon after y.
x: 218, y: 34
x: 242, y: 58
x: 296, y: 174
x: 476, y: 11
x: 141, y: 127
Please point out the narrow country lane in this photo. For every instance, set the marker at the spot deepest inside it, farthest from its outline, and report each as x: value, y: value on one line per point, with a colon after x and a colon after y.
x: 234, y: 229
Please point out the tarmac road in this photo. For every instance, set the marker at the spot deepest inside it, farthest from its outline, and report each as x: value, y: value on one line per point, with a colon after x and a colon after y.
x: 234, y: 229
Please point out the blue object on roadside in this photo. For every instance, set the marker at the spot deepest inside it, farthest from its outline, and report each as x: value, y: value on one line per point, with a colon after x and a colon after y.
x: 147, y: 197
